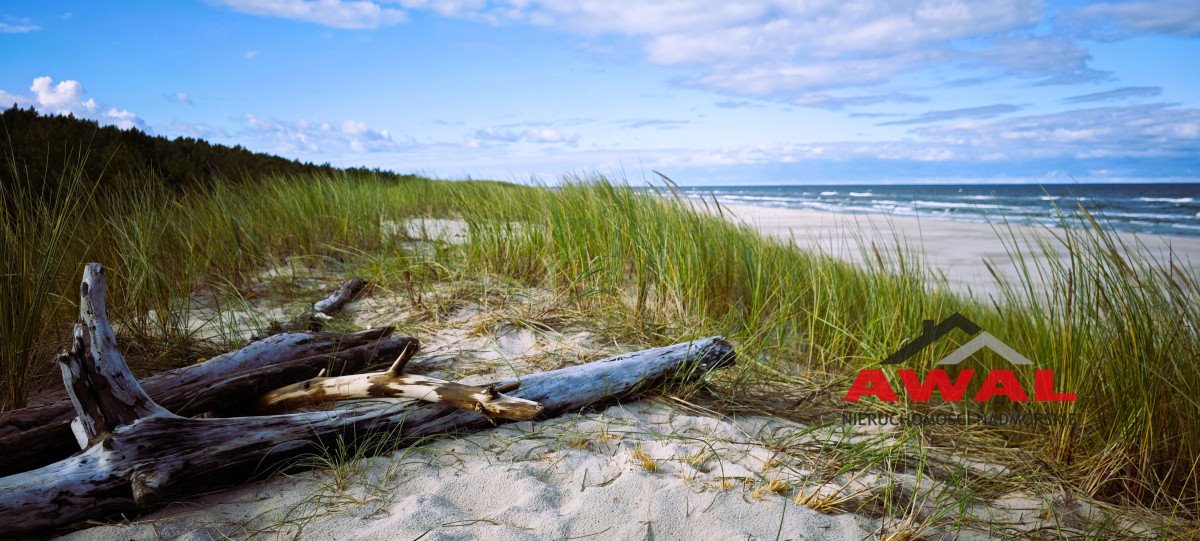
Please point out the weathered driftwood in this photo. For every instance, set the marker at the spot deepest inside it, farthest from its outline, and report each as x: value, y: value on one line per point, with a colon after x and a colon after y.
x: 314, y: 316
x: 103, y: 390
x: 149, y: 455
x: 236, y: 394
x: 38, y: 435
x: 394, y: 383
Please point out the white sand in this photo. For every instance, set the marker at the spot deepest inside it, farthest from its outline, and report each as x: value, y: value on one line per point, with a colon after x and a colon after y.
x: 957, y: 250
x: 572, y: 477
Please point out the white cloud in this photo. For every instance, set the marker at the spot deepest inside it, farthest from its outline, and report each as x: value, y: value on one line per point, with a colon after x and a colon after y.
x: 17, y: 26
x: 769, y: 77
x: 538, y: 135
x: 656, y: 123
x: 1117, y: 94
x: 8, y: 100
x: 250, y: 55
x: 69, y: 98
x: 1150, y: 130
x: 781, y: 48
x: 1106, y: 133
x: 62, y: 98
x: 306, y: 138
x: 180, y: 97
x: 803, y: 52
x: 121, y: 118
x: 832, y: 151
x: 1112, y: 20
x: 1058, y: 60
x: 986, y: 111
x: 836, y: 103
x: 365, y: 139
x: 349, y: 14
x: 829, y: 30
x: 195, y: 130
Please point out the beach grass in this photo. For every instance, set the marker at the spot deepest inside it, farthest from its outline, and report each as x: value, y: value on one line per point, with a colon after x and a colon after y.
x: 651, y: 268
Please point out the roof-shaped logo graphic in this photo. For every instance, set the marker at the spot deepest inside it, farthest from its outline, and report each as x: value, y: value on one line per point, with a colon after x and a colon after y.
x: 957, y: 321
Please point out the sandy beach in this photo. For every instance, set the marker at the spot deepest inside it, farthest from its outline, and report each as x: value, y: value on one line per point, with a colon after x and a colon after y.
x: 956, y: 250
x: 648, y: 469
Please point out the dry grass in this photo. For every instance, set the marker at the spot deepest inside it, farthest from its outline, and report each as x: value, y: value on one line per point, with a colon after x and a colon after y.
x: 643, y: 459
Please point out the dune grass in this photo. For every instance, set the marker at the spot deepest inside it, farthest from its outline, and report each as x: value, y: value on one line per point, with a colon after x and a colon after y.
x: 1118, y: 326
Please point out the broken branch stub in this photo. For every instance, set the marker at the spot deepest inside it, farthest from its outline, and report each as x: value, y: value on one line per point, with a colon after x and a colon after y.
x: 236, y: 394
x: 393, y: 383
x: 104, y: 392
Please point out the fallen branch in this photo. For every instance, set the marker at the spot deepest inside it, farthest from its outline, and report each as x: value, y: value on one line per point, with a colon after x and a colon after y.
x: 394, y: 383
x: 314, y: 317
x: 145, y: 454
x: 38, y: 435
x: 234, y: 394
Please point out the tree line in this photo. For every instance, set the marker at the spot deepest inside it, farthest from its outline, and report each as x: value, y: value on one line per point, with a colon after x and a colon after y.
x: 41, y: 151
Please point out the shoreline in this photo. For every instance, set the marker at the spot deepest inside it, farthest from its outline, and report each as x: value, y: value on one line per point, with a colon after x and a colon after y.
x: 956, y: 249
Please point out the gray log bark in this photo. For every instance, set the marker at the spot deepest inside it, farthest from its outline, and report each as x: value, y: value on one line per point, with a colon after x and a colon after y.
x: 159, y: 456
x: 103, y: 390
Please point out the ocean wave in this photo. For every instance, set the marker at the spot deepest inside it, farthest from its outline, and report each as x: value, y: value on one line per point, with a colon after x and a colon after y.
x: 1143, y: 215
x: 951, y: 205
x: 896, y: 209
x: 1049, y: 198
x: 757, y: 198
x: 861, y: 194
x: 829, y: 193
x: 821, y: 206
x: 1166, y: 199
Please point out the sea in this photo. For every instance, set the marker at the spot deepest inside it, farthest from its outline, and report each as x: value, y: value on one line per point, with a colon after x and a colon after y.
x: 1160, y: 209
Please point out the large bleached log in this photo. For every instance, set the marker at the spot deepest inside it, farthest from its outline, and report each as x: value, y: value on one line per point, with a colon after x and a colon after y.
x: 38, y: 435
x: 147, y: 455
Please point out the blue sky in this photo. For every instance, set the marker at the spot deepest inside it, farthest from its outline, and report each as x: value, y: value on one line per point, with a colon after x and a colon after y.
x: 707, y: 92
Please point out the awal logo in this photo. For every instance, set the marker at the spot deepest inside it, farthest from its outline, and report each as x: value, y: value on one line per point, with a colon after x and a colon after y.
x: 999, y: 382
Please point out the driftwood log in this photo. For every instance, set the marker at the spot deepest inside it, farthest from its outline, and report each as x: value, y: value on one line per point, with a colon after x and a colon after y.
x: 313, y: 318
x: 141, y: 454
x: 38, y: 435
